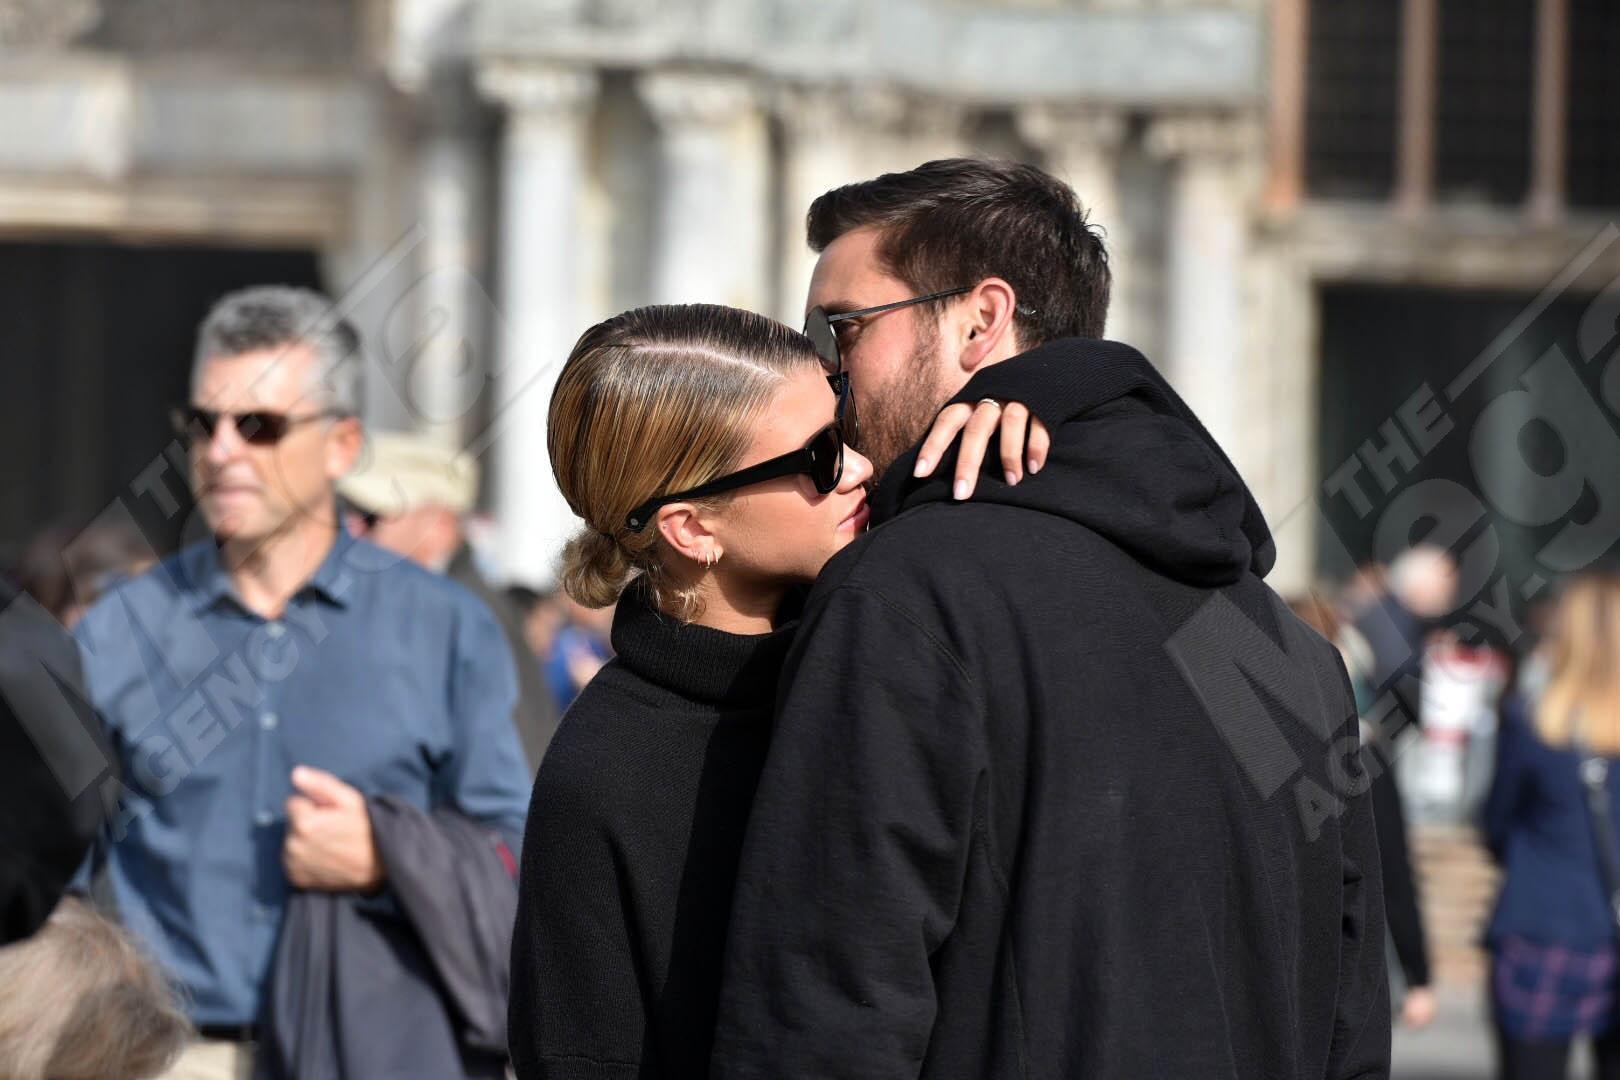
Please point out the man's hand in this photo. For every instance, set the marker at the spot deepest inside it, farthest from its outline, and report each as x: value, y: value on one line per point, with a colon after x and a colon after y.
x: 1419, y: 1008
x: 329, y: 843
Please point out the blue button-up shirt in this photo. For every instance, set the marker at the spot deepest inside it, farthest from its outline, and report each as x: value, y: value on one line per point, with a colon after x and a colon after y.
x: 395, y: 680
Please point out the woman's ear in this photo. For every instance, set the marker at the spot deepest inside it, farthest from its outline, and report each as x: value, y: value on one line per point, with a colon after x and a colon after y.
x: 683, y: 529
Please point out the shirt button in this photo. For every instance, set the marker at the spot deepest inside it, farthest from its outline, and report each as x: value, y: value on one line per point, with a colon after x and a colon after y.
x: 264, y: 819
x: 268, y: 721
x: 275, y: 630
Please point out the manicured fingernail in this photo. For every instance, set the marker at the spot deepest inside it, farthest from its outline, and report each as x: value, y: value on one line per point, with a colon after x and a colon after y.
x: 1034, y: 466
x: 1012, y: 478
x: 961, y: 490
x: 923, y: 465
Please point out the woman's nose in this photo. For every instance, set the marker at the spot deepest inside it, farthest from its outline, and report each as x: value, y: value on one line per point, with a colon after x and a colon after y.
x: 857, y: 470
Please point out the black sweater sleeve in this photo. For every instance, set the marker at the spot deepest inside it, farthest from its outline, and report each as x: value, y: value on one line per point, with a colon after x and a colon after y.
x: 1400, y: 885
x: 1361, y: 1029
x: 856, y: 852
x: 575, y: 1004
x: 53, y: 752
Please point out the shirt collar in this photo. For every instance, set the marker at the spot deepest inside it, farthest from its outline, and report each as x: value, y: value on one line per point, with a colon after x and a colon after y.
x: 210, y: 583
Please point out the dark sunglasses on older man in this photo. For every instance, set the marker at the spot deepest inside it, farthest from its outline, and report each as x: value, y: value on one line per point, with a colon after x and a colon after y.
x: 259, y: 427
x: 821, y: 459
x: 819, y: 328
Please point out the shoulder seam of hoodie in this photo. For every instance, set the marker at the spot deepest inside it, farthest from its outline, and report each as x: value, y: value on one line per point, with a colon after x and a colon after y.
x: 906, y: 614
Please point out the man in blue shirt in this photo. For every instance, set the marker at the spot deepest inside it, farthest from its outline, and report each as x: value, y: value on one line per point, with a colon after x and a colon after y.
x: 260, y: 685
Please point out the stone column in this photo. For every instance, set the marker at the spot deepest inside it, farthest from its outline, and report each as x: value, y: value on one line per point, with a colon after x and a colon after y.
x: 543, y: 168
x: 826, y: 135
x: 451, y: 311
x: 713, y: 189
x: 1211, y: 158
x: 1081, y: 146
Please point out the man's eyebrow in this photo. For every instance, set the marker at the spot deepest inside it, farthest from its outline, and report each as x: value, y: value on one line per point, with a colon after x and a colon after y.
x: 839, y: 307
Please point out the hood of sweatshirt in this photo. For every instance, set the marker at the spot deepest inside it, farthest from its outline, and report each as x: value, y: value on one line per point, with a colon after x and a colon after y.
x: 1129, y: 461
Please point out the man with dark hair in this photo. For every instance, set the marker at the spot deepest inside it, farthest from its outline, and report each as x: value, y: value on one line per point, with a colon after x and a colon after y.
x: 1058, y: 787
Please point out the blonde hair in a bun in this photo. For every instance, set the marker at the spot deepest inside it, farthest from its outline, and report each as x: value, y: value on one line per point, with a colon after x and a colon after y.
x: 653, y: 401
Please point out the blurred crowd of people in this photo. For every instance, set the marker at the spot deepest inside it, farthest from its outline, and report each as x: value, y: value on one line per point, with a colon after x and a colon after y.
x: 1517, y: 738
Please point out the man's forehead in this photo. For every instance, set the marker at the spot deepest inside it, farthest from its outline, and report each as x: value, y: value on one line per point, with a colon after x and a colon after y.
x: 276, y: 377
x: 847, y: 272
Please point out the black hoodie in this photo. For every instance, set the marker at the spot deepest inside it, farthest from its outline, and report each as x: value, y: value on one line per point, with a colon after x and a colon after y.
x: 1058, y: 787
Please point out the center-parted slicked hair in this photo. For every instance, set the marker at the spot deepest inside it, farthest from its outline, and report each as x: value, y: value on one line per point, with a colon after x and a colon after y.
x: 653, y: 401
x: 954, y: 222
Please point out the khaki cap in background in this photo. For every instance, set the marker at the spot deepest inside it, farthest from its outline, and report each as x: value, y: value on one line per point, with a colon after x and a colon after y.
x: 400, y: 472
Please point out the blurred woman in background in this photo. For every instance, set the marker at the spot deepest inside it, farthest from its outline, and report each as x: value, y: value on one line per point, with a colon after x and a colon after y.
x: 1551, y: 822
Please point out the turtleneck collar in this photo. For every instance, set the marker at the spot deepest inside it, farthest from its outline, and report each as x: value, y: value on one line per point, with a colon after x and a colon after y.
x: 698, y: 662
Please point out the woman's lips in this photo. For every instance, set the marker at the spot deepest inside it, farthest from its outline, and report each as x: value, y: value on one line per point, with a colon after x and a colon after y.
x: 857, y: 521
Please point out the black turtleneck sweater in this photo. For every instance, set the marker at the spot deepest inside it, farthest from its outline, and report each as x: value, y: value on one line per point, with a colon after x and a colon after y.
x: 631, y: 851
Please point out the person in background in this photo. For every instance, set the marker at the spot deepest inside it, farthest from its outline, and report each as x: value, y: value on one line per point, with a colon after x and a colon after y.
x: 412, y: 497
x: 542, y: 614
x: 261, y: 685
x: 78, y: 1001
x: 1402, y: 911
x: 1396, y: 617
x: 66, y: 570
x: 1552, y: 934
x: 579, y: 648
x: 53, y: 760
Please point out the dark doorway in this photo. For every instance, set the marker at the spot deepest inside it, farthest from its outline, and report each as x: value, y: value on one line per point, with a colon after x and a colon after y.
x: 1380, y: 345
x: 95, y: 344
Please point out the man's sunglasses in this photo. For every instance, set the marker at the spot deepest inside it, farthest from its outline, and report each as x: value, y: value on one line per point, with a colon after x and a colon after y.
x: 258, y: 428
x: 821, y: 459
x: 819, y: 328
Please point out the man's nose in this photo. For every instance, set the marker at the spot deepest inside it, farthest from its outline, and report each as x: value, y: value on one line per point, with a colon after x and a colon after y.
x: 225, y: 443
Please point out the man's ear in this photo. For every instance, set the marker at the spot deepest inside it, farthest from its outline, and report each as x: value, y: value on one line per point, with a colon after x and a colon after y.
x: 984, y: 326
x: 344, y: 442
x: 684, y: 530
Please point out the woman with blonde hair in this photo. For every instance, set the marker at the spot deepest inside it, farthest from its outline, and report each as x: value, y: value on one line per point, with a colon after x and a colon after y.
x: 1551, y: 822
x: 704, y: 447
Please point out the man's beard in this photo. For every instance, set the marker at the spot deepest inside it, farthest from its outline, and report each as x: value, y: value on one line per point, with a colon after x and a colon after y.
x: 899, y: 415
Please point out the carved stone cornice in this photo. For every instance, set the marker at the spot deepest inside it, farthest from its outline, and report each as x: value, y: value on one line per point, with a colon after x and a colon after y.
x: 813, y: 111
x: 45, y: 24
x: 1062, y: 129
x: 537, y: 88
x: 1229, y: 136
x: 680, y: 98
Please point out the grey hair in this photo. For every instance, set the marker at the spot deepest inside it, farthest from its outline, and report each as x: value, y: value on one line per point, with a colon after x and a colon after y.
x: 276, y: 317
x: 82, y: 1002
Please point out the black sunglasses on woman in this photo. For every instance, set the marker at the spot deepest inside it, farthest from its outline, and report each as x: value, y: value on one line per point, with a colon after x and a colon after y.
x: 822, y: 459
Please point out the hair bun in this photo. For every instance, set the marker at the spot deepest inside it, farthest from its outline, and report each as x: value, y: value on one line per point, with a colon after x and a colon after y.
x: 595, y: 568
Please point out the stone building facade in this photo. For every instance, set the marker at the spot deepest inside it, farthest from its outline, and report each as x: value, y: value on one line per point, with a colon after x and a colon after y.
x: 478, y: 180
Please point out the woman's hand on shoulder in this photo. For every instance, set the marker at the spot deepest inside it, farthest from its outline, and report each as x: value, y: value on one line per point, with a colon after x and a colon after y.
x: 1024, y: 442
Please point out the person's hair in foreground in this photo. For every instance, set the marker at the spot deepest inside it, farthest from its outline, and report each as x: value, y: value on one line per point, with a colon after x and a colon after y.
x: 1583, y: 676
x: 78, y: 1001
x: 655, y: 400
x: 951, y: 223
